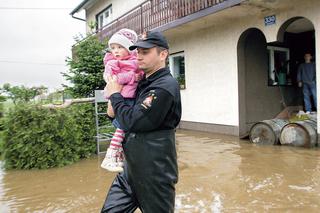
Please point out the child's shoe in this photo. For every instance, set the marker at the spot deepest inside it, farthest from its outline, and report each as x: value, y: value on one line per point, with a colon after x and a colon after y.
x: 120, y: 157
x: 110, y: 161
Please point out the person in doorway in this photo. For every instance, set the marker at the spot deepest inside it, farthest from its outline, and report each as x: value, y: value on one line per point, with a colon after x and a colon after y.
x: 122, y: 63
x: 150, y: 169
x: 306, y: 78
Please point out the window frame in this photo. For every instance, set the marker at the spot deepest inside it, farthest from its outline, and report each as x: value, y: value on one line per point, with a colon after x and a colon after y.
x: 181, y: 82
x: 109, y: 7
x: 271, y: 64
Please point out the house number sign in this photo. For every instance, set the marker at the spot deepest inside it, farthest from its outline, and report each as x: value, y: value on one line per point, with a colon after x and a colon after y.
x: 269, y: 20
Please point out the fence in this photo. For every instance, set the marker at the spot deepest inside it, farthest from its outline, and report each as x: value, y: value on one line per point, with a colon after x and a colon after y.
x: 155, y: 13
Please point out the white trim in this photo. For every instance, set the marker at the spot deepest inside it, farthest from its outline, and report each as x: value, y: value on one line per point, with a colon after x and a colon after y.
x: 171, y: 56
x: 271, y: 49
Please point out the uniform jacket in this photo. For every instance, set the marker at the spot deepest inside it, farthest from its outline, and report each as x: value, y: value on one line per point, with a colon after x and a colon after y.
x: 157, y: 107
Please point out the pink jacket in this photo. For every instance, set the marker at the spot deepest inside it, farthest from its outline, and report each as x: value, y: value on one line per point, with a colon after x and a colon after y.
x: 125, y: 70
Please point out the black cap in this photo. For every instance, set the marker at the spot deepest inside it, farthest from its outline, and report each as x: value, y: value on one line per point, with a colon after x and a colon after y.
x: 151, y: 39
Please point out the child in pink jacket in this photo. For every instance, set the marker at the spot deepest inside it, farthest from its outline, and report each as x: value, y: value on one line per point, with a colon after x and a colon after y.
x: 122, y: 63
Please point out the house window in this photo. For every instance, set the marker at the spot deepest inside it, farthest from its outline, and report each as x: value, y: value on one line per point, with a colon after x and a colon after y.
x: 104, y: 17
x: 177, y: 67
x: 279, y: 73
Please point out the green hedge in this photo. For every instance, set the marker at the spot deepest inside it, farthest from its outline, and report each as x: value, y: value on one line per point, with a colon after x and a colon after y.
x: 1, y: 143
x: 36, y: 137
x: 1, y: 115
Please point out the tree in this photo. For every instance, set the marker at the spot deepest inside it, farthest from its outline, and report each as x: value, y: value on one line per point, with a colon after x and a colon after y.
x: 22, y: 93
x: 2, y: 99
x: 86, y: 67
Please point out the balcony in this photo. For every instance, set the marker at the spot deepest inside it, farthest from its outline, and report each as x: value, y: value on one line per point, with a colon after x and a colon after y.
x: 153, y: 14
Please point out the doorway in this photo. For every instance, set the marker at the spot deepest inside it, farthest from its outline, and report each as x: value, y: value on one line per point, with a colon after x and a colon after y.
x: 298, y: 36
x: 257, y: 101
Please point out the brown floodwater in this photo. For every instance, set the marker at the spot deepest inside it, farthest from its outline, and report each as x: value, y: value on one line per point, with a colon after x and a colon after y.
x: 218, y: 173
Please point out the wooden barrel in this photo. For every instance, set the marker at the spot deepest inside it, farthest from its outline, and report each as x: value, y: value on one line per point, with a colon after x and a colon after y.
x: 300, y: 133
x: 267, y: 131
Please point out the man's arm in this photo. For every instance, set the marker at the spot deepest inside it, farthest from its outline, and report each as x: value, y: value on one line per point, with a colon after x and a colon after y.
x: 147, y: 114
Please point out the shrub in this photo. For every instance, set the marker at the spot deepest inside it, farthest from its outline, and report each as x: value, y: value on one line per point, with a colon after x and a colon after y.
x: 84, y: 116
x: 1, y: 123
x: 1, y: 144
x: 37, y: 137
x: 2, y: 99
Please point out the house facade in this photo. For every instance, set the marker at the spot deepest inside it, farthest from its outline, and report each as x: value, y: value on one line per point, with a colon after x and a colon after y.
x: 226, y: 54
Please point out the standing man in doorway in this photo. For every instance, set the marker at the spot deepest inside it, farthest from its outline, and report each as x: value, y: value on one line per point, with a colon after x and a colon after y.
x: 307, y: 79
x: 150, y: 171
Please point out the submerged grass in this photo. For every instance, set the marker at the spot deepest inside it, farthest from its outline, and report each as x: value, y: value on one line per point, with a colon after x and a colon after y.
x: 298, y: 118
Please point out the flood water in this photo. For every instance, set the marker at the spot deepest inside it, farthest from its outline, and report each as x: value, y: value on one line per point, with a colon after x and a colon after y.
x: 218, y: 173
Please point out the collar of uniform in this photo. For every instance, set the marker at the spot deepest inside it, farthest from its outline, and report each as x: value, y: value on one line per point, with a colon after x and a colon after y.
x: 161, y: 72
x: 147, y: 81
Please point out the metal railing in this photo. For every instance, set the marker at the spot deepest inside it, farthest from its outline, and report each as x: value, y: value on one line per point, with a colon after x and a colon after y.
x: 155, y: 13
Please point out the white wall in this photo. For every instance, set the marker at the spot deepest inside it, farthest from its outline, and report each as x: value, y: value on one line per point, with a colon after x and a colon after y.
x: 119, y: 7
x: 211, y: 95
x: 206, y: 96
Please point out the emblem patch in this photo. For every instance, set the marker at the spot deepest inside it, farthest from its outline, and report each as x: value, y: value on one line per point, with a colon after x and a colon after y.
x: 147, y: 103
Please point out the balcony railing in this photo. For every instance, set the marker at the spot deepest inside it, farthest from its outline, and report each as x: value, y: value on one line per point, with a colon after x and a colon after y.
x: 155, y: 13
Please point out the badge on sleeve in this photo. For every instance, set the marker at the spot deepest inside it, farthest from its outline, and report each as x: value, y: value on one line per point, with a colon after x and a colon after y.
x: 147, y: 102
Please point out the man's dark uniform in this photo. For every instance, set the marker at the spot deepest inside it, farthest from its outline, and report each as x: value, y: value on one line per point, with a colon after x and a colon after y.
x: 151, y: 171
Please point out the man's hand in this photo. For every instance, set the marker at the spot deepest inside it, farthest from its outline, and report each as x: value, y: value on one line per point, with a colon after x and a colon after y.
x: 112, y: 86
x: 110, y: 111
x: 299, y: 84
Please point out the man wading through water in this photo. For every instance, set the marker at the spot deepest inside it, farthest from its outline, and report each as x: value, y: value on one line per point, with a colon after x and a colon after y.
x: 150, y: 171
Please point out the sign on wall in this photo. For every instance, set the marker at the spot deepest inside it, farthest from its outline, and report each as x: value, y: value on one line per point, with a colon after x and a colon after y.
x: 269, y: 20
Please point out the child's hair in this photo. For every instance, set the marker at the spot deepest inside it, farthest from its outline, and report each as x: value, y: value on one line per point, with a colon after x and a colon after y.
x: 124, y: 37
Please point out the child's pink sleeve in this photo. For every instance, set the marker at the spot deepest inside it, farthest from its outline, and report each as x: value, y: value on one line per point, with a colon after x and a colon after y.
x: 111, y: 68
x: 126, y: 77
x: 107, y: 61
x: 140, y: 72
x: 106, y: 73
x: 107, y: 57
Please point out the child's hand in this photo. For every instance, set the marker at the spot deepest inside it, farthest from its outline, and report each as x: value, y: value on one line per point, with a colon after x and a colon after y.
x: 138, y: 77
x: 112, y: 86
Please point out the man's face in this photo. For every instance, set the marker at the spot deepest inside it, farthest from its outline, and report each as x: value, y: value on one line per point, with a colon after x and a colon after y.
x: 149, y: 60
x: 307, y: 57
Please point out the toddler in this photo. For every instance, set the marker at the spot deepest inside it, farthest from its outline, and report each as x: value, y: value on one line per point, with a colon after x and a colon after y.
x: 121, y: 62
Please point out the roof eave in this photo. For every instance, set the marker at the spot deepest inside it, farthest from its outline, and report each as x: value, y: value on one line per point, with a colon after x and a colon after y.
x: 79, y: 7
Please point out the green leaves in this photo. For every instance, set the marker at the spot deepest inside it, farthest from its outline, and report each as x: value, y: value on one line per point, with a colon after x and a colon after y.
x: 86, y: 68
x: 36, y: 137
x: 22, y: 93
x: 2, y: 99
